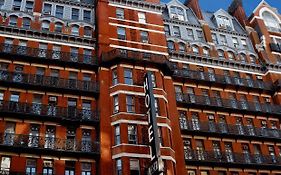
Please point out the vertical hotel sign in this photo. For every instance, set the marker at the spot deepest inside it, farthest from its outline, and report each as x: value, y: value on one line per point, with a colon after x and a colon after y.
x: 156, y: 166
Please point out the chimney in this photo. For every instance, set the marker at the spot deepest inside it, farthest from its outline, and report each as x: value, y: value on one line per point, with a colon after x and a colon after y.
x: 194, y: 5
x: 236, y: 9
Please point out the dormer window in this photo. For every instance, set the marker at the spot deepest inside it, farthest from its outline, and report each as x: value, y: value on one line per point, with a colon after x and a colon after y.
x: 270, y: 21
x: 177, y: 13
x: 224, y: 22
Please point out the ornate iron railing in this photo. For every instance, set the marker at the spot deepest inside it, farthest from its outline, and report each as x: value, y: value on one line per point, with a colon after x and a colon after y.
x: 40, y: 142
x: 231, y: 157
x: 224, y: 129
x: 220, y: 79
x: 48, y: 81
x: 51, y: 111
x: 228, y: 104
x: 45, y: 54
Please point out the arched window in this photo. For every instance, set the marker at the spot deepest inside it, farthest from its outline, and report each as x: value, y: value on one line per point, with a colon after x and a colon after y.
x: 45, y: 26
x: 58, y: 27
x: 13, y: 20
x: 177, y: 13
x: 270, y: 20
x: 182, y: 47
x: 75, y: 29
x: 26, y: 23
x: 243, y: 58
x: 88, y: 31
x: 171, y: 46
x: 206, y: 51
x: 195, y: 49
x: 221, y: 54
x: 253, y: 59
x: 230, y: 55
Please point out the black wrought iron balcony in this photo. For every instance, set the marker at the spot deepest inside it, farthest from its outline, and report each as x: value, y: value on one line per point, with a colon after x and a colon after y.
x: 42, y: 112
x: 229, y: 158
x: 48, y: 83
x: 48, y: 56
x: 275, y: 47
x: 229, y: 105
x: 29, y: 143
x: 230, y: 131
x: 119, y: 55
x: 210, y: 78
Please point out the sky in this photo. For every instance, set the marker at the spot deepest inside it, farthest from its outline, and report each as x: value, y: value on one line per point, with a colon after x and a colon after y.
x: 249, y: 5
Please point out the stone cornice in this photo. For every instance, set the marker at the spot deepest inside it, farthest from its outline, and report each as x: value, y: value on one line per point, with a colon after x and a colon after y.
x: 140, y: 4
x: 174, y: 21
x: 69, y: 2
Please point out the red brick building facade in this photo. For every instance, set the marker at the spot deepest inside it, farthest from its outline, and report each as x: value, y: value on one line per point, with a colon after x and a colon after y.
x: 72, y: 98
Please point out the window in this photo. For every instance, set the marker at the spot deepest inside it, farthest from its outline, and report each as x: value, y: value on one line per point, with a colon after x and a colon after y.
x: 176, y: 31
x: 230, y: 56
x: 48, y: 167
x: 47, y: 9
x: 190, y: 35
x: 87, y: 15
x: 223, y: 22
x: 87, y: 31
x: 206, y: 51
x: 182, y: 47
x: 58, y: 27
x: 132, y: 134
x: 204, y: 172
x: 243, y: 58
x: 235, y: 42
x: 177, y: 13
x: 121, y: 33
x: 215, y: 38
x: 144, y: 36
x: 2, y: 3
x: 141, y: 17
x: 270, y: 20
x: 59, y: 11
x: 17, y: 5
x: 29, y: 6
x: 117, y: 135
x: 128, y: 76
x: 75, y: 14
x: 26, y: 23
x: 56, y: 52
x: 244, y: 43
x: 75, y: 30
x: 30, y: 167
x: 171, y: 46
x: 115, y: 104
x: 252, y: 59
x: 13, y: 20
x: 74, y: 54
x: 69, y: 168
x: 195, y: 49
x: 5, y: 164
x: 87, y: 58
x: 200, y: 35
x: 223, y: 40
x: 130, y: 103
x: 120, y: 13
x: 221, y: 53
x: 134, y: 167
x: 86, y: 168
x: 45, y: 26
x: 167, y: 30
x: 118, y: 167
x: 114, y: 77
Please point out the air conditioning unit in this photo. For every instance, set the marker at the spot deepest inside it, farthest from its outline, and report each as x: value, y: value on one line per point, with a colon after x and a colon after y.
x: 267, y: 100
x: 174, y: 16
x: 245, y: 146
x: 259, y: 77
x: 47, y: 13
x: 222, y: 26
x: 53, y: 99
